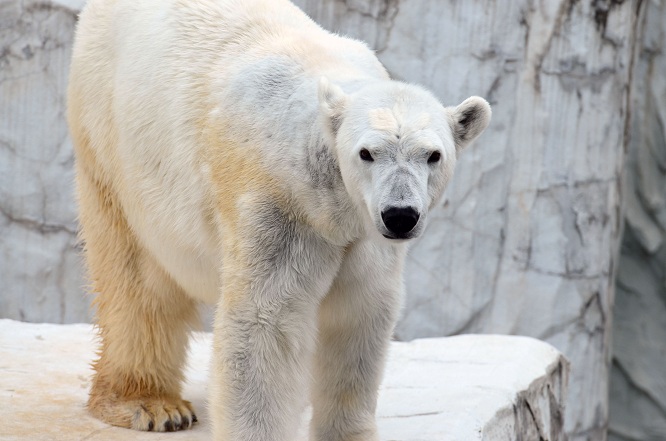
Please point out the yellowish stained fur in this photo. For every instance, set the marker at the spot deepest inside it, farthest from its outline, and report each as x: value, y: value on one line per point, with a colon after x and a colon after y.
x: 133, y: 362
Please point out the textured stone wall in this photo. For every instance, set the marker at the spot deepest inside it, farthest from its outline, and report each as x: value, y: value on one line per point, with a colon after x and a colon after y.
x: 638, y: 377
x: 40, y: 270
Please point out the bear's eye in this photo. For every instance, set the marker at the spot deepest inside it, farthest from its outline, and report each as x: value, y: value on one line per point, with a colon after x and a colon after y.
x: 365, y: 155
x: 434, y: 157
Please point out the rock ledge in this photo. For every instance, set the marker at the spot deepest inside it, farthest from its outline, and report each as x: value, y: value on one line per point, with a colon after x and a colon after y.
x: 464, y: 388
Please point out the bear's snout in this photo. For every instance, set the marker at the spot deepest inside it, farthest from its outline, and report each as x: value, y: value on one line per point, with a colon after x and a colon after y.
x: 400, y: 221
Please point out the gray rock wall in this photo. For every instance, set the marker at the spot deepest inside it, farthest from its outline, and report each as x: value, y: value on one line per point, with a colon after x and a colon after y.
x: 638, y: 380
x: 40, y: 270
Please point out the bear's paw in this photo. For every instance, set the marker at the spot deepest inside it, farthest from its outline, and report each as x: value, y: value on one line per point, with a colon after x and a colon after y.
x: 145, y: 414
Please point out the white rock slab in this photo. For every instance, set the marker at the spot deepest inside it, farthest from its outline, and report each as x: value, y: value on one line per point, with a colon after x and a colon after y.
x: 471, y: 387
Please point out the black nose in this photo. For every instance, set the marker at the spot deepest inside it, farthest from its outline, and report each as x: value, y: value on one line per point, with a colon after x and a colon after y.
x: 400, y: 220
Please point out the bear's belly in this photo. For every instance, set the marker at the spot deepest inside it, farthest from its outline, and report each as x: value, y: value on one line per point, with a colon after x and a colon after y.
x: 172, y: 217
x: 195, y: 270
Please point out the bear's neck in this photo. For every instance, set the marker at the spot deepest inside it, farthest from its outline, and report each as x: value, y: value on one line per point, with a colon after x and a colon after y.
x: 305, y: 160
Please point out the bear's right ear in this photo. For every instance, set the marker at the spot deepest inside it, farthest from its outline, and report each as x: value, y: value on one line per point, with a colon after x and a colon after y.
x: 332, y: 104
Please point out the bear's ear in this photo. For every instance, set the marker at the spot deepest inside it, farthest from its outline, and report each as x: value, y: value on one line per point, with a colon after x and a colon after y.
x: 469, y: 120
x: 332, y: 104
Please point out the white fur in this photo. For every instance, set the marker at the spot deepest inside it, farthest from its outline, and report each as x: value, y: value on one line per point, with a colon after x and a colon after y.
x: 321, y: 277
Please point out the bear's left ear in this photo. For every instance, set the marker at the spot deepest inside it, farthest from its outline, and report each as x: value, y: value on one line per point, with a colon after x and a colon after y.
x: 469, y: 120
x: 332, y: 104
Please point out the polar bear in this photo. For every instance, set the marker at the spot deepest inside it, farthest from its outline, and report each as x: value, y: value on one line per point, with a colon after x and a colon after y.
x: 234, y: 152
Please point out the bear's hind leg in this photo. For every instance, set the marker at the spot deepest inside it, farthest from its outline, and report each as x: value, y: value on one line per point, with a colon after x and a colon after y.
x: 143, y: 319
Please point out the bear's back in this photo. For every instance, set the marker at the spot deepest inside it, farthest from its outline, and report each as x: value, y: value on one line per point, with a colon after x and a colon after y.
x: 150, y: 77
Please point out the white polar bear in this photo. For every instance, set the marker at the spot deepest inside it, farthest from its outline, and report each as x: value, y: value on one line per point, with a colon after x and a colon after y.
x: 234, y: 152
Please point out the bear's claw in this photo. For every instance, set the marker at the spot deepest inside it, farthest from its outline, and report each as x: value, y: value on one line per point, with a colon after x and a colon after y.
x: 146, y: 414
x: 165, y: 416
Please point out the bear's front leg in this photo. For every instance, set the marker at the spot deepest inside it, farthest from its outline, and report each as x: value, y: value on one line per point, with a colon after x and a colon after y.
x: 356, y: 320
x: 274, y: 277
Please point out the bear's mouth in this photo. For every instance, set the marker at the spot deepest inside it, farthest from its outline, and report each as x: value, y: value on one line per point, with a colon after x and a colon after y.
x: 398, y: 238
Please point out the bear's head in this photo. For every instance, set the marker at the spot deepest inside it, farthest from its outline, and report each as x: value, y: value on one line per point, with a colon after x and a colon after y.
x: 396, y: 147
